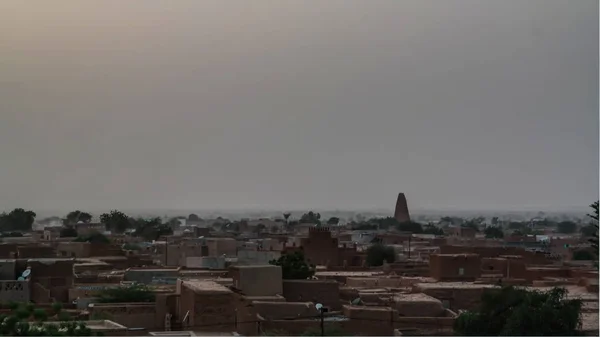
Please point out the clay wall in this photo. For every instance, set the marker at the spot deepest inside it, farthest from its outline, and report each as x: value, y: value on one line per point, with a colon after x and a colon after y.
x: 320, y: 248
x: 8, y: 250
x: 131, y: 315
x: 455, y: 267
x: 455, y: 298
x: 37, y: 251
x: 326, y: 292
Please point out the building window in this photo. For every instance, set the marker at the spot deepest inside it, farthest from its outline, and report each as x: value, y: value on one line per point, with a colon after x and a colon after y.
x: 461, y: 271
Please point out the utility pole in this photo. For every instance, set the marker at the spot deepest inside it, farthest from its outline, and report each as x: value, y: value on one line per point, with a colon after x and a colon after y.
x: 322, y: 323
x: 166, y: 251
x: 322, y: 310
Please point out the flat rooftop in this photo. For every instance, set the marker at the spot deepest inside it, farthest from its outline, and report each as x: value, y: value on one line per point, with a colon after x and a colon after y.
x: 205, y: 286
x: 348, y: 273
x: 454, y: 285
x: 589, y: 321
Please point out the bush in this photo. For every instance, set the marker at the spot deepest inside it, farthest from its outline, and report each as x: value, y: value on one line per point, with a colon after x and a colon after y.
x: 493, y: 232
x: 583, y: 255
x: 22, y: 313
x: 294, y: 267
x: 131, y: 246
x: 93, y: 238
x: 64, y: 316
x: 378, y: 253
x: 57, y: 307
x: 513, y: 311
x: 68, y: 232
x: 134, y: 293
x: 40, y: 314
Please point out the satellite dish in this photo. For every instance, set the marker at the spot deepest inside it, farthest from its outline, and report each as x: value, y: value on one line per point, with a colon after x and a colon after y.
x: 20, y: 278
x: 26, y: 273
x: 319, y: 306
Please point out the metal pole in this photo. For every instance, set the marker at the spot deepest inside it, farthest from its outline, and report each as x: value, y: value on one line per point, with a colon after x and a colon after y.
x: 166, y: 251
x: 322, y: 324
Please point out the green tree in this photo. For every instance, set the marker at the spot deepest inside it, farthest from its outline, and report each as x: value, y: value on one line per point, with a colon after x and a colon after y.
x: 93, y: 238
x: 411, y: 227
x: 589, y: 230
x: 68, y: 232
x: 583, y: 255
x: 566, y: 227
x: 133, y: 293
x: 17, y: 323
x: 40, y: 314
x: 294, y: 266
x: 17, y: 220
x: 517, y: 225
x: 493, y: 232
x: 333, y: 221
x: 513, y: 311
x: 77, y: 216
x: 116, y: 221
x: 131, y: 246
x: 473, y: 223
x: 193, y: 217
x: 259, y: 228
x: 432, y: 229
x: 363, y: 226
x: 378, y: 253
x: 311, y: 217
x: 11, y: 234
x: 151, y: 229
x: 383, y: 223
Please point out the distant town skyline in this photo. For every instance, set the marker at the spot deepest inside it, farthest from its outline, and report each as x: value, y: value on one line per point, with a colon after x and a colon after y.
x: 341, y: 104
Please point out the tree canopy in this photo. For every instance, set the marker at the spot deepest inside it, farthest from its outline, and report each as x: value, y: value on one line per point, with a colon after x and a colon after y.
x: 151, y: 229
x: 432, y: 229
x: 68, y: 232
x: 132, y: 293
x: 294, y: 266
x: 594, y: 217
x: 93, y: 238
x: 77, y: 216
x: 511, y: 311
x: 17, y: 220
x: 566, y: 227
x: 116, y: 221
x: 583, y: 255
x: 311, y: 217
x: 493, y: 232
x: 27, y: 320
x: 410, y: 226
x: 378, y: 253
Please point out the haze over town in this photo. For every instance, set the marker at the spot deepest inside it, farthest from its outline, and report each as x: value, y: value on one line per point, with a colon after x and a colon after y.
x: 276, y: 105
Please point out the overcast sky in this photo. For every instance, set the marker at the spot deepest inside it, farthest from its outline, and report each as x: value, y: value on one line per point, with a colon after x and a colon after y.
x: 480, y: 104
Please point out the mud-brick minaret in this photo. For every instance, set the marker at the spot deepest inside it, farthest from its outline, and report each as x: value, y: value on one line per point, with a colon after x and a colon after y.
x: 401, y: 213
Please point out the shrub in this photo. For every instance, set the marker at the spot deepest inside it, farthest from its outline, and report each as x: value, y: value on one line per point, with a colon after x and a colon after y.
x: 513, y: 311
x: 134, y: 293
x: 40, y: 314
x: 378, y: 253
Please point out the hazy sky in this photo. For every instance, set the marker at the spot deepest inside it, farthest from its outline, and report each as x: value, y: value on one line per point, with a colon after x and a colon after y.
x: 480, y: 104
